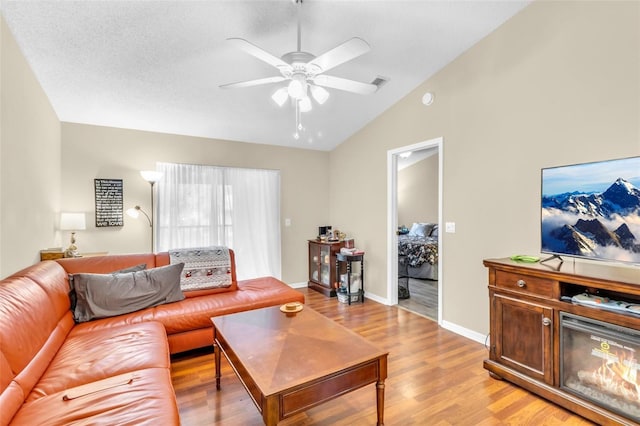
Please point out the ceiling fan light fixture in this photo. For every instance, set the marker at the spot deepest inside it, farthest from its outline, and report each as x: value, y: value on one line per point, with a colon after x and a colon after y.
x: 305, y: 104
x: 280, y: 96
x: 320, y: 94
x: 297, y: 88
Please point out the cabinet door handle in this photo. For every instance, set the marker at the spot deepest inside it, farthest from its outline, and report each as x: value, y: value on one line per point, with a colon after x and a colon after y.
x: 521, y: 283
x: 546, y: 322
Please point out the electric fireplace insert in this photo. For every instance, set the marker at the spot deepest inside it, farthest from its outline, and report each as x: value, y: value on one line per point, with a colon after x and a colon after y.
x: 599, y: 362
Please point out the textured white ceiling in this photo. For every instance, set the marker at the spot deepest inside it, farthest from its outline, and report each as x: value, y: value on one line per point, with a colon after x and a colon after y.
x: 157, y: 65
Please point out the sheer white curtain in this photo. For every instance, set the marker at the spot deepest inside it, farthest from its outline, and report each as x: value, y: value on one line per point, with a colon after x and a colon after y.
x: 200, y: 206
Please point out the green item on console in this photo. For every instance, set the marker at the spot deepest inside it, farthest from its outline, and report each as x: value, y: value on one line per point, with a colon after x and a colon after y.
x: 525, y: 258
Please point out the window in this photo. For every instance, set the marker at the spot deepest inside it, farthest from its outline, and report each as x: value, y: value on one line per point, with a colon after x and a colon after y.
x: 202, y: 206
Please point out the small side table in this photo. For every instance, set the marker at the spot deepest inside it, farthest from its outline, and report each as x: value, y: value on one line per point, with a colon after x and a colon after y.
x: 51, y: 254
x: 348, y: 258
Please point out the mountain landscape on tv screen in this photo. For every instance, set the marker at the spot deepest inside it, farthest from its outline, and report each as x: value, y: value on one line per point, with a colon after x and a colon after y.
x: 603, y: 225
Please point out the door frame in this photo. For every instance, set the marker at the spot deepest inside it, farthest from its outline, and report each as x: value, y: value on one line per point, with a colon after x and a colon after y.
x: 392, y: 218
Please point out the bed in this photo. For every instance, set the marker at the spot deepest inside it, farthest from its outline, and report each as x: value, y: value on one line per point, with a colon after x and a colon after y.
x: 418, y: 252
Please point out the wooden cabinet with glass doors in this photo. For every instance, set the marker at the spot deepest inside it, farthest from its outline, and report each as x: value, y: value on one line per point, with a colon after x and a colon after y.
x: 322, y: 266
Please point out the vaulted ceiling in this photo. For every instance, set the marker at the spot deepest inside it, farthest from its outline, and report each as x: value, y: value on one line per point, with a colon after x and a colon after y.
x: 158, y: 65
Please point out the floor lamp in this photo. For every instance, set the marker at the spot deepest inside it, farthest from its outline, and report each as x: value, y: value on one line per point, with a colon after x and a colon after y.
x: 152, y: 177
x: 134, y: 212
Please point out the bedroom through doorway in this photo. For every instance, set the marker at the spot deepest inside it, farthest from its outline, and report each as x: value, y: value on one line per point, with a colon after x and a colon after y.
x: 416, y: 244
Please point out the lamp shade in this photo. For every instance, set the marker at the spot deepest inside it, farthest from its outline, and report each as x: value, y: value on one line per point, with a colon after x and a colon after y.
x: 320, y: 94
x: 305, y: 104
x: 297, y: 87
x: 72, y: 221
x: 151, y: 176
x: 280, y: 96
x: 134, y: 212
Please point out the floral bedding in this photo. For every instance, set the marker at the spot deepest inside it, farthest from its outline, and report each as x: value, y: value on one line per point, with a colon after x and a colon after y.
x: 418, y: 250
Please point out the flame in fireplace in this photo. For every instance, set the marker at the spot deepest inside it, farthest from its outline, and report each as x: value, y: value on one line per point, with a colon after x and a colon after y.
x: 618, y: 375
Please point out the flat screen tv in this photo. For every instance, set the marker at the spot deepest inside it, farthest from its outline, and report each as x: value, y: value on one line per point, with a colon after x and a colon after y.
x: 592, y: 210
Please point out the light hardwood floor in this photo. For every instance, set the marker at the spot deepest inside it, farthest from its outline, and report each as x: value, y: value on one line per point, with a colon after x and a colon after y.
x: 435, y: 378
x: 423, y: 298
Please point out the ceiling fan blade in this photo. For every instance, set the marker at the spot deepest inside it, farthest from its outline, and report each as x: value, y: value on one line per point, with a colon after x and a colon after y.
x: 344, y: 84
x: 250, y: 83
x: 347, y: 51
x: 258, y: 52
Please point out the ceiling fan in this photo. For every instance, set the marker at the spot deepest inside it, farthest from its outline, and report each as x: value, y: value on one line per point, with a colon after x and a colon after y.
x: 305, y: 72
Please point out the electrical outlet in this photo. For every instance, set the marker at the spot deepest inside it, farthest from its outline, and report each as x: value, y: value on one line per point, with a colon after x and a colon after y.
x: 287, y: 222
x: 450, y: 227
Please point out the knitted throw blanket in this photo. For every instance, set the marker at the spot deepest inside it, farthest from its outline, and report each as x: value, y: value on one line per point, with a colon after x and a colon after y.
x: 204, y: 268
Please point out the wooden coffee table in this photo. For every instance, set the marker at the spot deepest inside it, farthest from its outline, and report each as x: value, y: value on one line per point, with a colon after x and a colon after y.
x: 291, y: 362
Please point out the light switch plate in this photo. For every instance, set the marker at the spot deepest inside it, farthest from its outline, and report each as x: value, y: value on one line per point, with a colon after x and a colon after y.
x: 450, y: 227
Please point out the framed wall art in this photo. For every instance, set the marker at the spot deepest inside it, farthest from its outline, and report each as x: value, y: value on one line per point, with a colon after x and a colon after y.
x: 109, y: 211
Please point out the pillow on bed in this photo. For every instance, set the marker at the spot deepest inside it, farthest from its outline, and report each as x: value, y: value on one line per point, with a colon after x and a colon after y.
x: 421, y: 229
x: 106, y: 295
x: 434, y: 231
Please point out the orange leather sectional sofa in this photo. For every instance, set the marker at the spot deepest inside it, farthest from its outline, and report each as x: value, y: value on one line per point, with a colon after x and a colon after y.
x: 108, y: 371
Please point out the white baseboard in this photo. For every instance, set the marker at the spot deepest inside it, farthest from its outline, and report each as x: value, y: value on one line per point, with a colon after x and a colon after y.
x: 464, y: 332
x: 454, y: 328
x: 376, y: 298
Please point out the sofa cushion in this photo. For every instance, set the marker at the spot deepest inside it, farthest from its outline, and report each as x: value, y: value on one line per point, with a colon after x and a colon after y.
x: 145, y: 397
x: 89, y: 356
x: 105, y: 295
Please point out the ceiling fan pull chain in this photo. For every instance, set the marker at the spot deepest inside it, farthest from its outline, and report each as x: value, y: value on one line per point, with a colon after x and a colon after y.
x: 296, y: 135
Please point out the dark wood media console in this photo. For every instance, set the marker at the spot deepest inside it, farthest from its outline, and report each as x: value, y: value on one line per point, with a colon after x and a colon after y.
x: 528, y: 303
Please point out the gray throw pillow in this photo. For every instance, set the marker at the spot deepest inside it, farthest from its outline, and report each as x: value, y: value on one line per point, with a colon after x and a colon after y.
x: 72, y: 291
x: 106, y: 295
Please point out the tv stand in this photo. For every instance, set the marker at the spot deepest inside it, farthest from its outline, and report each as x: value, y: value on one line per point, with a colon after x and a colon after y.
x: 554, y: 256
x: 527, y: 304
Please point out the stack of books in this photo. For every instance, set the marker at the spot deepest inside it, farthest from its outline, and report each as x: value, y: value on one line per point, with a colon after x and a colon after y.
x: 351, y: 251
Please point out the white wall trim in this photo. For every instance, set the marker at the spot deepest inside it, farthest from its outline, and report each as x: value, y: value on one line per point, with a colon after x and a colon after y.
x: 376, y: 298
x: 298, y: 285
x: 392, y: 219
x: 464, y: 332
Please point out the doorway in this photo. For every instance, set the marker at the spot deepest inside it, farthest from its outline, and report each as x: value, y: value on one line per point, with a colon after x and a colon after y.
x: 424, y: 281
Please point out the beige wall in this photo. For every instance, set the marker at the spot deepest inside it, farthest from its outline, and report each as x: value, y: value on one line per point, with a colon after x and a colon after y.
x: 90, y: 152
x: 418, y: 192
x: 559, y: 83
x: 29, y: 162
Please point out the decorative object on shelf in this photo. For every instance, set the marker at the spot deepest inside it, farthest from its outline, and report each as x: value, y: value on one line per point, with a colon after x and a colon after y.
x: 72, y: 222
x: 108, y: 202
x: 291, y: 308
x: 304, y: 74
x: 324, y: 231
x: 351, y: 251
x: 336, y: 235
x: 343, y: 297
x: 152, y: 177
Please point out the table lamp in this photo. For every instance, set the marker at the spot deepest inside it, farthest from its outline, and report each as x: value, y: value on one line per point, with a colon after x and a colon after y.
x: 72, y: 222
